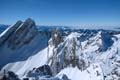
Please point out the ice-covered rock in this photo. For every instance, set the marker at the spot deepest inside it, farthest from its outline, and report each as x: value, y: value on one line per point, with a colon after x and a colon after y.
x: 69, y: 53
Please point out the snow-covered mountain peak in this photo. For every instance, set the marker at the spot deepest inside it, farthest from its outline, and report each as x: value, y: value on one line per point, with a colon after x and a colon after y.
x: 73, y: 35
x: 49, y: 53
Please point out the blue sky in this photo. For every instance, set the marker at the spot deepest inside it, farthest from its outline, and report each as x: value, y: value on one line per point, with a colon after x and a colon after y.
x: 61, y: 12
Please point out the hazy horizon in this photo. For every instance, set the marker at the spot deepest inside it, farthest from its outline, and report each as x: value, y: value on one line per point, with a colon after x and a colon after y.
x: 62, y: 12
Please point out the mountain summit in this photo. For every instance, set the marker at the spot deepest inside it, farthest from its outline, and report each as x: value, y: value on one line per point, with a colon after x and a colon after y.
x: 19, y: 39
x: 59, y: 54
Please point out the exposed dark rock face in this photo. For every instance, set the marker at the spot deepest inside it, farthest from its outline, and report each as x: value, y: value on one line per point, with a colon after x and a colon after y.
x: 23, y: 34
x: 45, y: 73
x: 64, y: 77
x: 44, y: 70
x: 106, y: 41
x: 77, y: 48
x: 19, y: 34
x: 10, y: 76
x: 8, y: 32
x: 56, y: 37
x: 23, y: 38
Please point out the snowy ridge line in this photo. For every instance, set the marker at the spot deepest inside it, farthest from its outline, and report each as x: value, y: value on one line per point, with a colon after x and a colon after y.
x: 46, y: 53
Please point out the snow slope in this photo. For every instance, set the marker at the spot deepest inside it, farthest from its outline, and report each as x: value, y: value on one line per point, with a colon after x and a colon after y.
x: 79, y: 54
x: 92, y: 73
x: 22, y: 67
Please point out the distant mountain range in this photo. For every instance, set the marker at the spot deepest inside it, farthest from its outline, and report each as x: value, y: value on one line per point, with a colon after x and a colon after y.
x: 30, y: 52
x: 3, y: 27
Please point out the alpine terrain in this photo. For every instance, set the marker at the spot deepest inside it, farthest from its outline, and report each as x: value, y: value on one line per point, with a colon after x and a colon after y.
x: 31, y: 52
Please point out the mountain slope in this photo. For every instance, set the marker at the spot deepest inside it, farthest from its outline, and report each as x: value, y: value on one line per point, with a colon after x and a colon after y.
x: 60, y: 53
x: 21, y: 42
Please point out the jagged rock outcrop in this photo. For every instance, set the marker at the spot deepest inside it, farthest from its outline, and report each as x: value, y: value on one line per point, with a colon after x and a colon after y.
x: 56, y: 36
x: 44, y: 73
x: 10, y: 76
x: 23, y: 34
x: 44, y: 70
x: 8, y: 32
x: 64, y: 77
x: 19, y: 34
x: 72, y: 51
x: 26, y: 51
x: 66, y: 54
x: 23, y: 38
